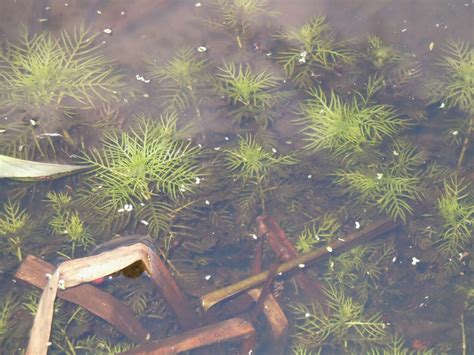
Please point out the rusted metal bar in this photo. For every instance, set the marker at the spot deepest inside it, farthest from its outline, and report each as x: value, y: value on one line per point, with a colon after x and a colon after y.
x: 281, y: 246
x: 228, y: 330
x: 96, y: 301
x: 368, y: 233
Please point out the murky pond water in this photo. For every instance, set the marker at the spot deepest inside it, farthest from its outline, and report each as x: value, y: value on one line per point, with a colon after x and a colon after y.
x: 192, y: 120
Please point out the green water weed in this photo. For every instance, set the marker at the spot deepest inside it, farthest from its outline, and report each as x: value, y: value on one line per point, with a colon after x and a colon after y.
x: 252, y: 95
x: 310, y: 48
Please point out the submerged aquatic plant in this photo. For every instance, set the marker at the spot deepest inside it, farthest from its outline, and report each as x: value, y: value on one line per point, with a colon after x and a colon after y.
x: 184, y: 81
x: 311, y: 47
x: 455, y: 82
x: 381, y: 54
x: 147, y: 161
x: 66, y: 221
x: 393, y: 185
x: 252, y: 167
x: 252, y: 95
x: 331, y: 123
x: 456, y: 210
x: 43, y: 70
x: 344, y: 327
x: 236, y: 16
x: 322, y: 230
x: 14, y: 227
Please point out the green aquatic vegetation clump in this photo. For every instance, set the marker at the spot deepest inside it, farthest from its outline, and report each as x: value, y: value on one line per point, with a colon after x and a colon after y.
x: 44, y: 70
x: 183, y: 81
x: 361, y: 269
x: 253, y: 168
x: 311, y: 48
x: 236, y: 16
x: 381, y: 54
x: 346, y: 326
x: 147, y: 161
x: 456, y: 209
x: 67, y: 222
x: 252, y: 95
x: 14, y: 227
x: 146, y: 173
x: 8, y: 305
x: 393, y: 185
x: 454, y: 84
x: 321, y: 230
x: 346, y: 127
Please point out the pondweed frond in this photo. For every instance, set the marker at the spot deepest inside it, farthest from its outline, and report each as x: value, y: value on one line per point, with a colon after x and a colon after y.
x: 322, y: 230
x: 456, y: 210
x: 393, y: 185
x: 331, y: 123
x: 250, y: 162
x: 455, y: 82
x: 183, y: 80
x: 14, y: 227
x: 311, y: 47
x: 147, y: 161
x: 344, y: 327
x: 67, y: 222
x: 236, y: 16
x: 254, y: 169
x: 252, y: 95
x: 360, y: 268
x: 43, y: 70
x: 381, y: 54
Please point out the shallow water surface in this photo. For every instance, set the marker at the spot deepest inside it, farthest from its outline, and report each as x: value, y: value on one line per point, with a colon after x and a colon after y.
x: 194, y: 118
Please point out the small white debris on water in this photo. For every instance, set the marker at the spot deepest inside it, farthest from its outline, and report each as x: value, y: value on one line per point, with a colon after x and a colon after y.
x: 146, y: 95
x: 142, y: 78
x: 301, y: 266
x: 274, y: 150
x: 33, y: 123
x: 329, y: 249
x: 217, y: 148
x: 226, y: 138
x: 268, y: 54
x: 198, y: 180
x: 357, y: 225
x: 455, y: 133
x: 198, y: 4
x: 394, y: 259
x: 42, y: 19
x: 431, y: 46
x: 254, y: 236
x: 414, y: 260
x: 202, y: 49
x: 128, y: 207
x: 379, y: 176
x: 142, y: 204
x: 443, y: 105
x: 99, y: 12
x: 341, y: 239
x: 145, y: 223
x: 107, y: 31
x: 55, y: 134
x: 303, y: 57
x: 120, y: 210
x: 208, y: 277
x: 207, y: 202
x: 66, y: 4
x: 396, y: 153
x: 307, y: 315
x: 122, y: 13
x: 310, y: 176
x: 289, y: 142
x: 404, y: 30
x: 3, y: 130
